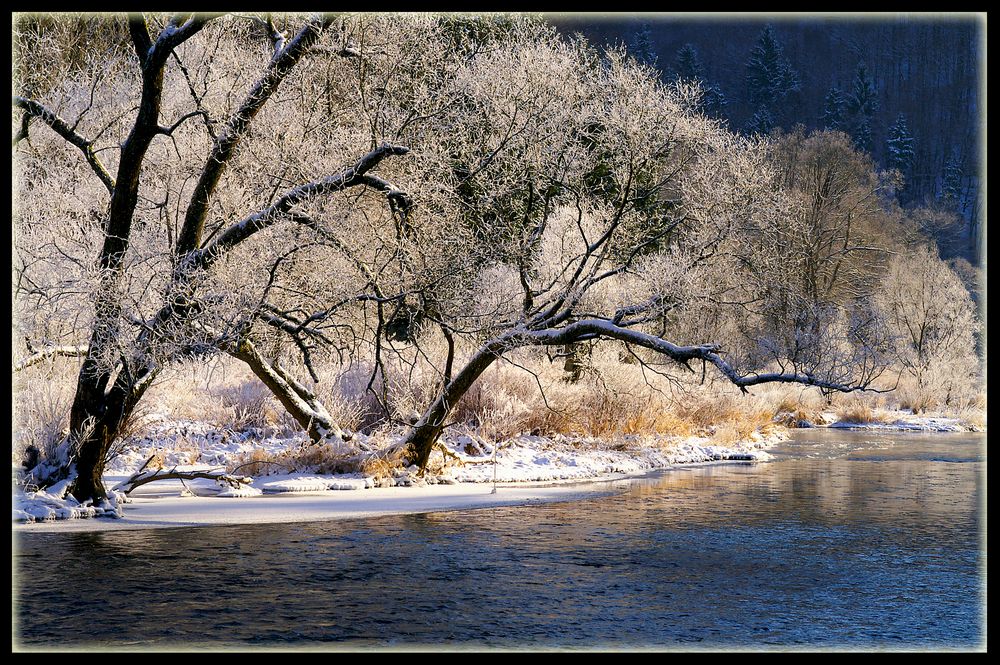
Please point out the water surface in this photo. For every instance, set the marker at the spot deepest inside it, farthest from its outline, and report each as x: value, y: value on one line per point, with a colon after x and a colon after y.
x: 845, y: 540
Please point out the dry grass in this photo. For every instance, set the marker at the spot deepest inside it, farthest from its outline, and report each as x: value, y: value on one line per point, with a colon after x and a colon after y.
x: 610, y: 400
x: 257, y: 462
x: 222, y: 392
x: 529, y: 394
x: 245, y: 405
x: 973, y: 414
x: 918, y: 401
x: 862, y: 412
x: 322, y: 458
x: 42, y: 398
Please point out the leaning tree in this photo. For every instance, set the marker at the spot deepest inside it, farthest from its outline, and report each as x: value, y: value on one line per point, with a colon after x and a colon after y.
x: 569, y: 196
x: 253, y: 185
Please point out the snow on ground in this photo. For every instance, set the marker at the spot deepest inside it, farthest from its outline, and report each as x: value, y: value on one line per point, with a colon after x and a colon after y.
x: 54, y: 504
x: 189, y: 442
x: 152, y: 511
x: 470, y: 466
x: 539, y: 459
x: 904, y: 421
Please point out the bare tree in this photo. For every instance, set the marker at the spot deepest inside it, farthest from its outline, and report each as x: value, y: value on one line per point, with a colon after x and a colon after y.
x: 934, y: 323
x: 147, y: 251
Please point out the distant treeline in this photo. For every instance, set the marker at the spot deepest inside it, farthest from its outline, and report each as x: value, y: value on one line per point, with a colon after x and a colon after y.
x: 906, y: 89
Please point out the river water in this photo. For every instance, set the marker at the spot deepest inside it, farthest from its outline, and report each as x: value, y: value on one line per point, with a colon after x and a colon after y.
x: 846, y: 540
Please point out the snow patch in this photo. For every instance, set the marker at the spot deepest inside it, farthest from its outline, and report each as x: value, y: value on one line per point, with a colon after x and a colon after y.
x: 907, y: 424
x: 46, y: 506
x: 240, y: 492
x: 463, y: 457
x: 537, y: 459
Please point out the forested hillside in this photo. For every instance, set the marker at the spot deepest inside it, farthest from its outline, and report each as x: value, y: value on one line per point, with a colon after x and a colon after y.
x: 905, y: 88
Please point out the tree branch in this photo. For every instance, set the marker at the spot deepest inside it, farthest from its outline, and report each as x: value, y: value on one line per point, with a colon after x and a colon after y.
x: 172, y: 36
x: 227, y: 142
x: 22, y: 133
x: 141, y: 478
x: 168, y: 131
x: 240, y: 231
x: 593, y: 328
x: 50, y: 352
x: 141, y: 40
x: 32, y: 108
x: 298, y: 400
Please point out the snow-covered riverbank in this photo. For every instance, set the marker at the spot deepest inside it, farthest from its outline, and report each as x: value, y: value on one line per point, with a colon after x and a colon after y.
x: 899, y: 421
x: 465, y: 478
x: 525, y: 469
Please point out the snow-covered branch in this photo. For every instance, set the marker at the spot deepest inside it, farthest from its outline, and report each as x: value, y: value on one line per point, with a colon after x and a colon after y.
x: 142, y: 477
x: 51, y: 352
x: 224, y: 146
x: 33, y: 109
x: 352, y: 176
x: 597, y: 328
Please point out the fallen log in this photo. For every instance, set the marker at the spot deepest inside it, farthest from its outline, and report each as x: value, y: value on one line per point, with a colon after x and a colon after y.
x: 141, y: 477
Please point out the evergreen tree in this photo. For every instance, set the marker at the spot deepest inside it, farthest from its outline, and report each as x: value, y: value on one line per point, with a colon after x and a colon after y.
x: 900, y: 146
x: 951, y: 179
x: 861, y: 105
x: 769, y: 75
x: 713, y: 101
x: 863, y: 134
x: 834, y: 109
x: 687, y: 65
x: 863, y: 99
x: 761, y: 123
x: 642, y: 45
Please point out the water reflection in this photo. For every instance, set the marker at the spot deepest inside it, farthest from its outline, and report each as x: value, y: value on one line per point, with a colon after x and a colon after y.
x: 853, y: 545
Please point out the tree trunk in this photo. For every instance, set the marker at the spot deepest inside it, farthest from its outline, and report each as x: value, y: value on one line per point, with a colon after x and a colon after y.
x: 96, y: 421
x: 425, y: 433
x: 576, y: 360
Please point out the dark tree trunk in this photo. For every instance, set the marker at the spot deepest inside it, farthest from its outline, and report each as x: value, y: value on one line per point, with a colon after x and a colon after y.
x: 576, y: 361
x: 98, y: 413
x: 97, y: 420
x: 425, y: 433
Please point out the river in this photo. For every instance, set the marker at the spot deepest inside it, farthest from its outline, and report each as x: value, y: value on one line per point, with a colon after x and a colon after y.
x: 846, y: 540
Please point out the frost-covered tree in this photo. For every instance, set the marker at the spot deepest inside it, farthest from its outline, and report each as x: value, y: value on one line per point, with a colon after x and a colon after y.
x: 837, y: 234
x: 933, y: 320
x: 820, y: 259
x: 770, y: 77
x: 600, y: 214
x: 133, y: 252
x: 900, y: 146
x: 834, y: 110
x: 285, y: 188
